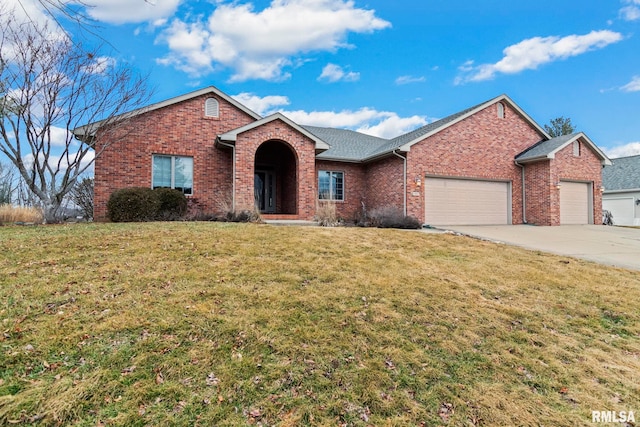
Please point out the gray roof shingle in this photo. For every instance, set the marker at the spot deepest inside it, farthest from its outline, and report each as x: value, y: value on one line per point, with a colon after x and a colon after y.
x: 544, y: 148
x: 355, y: 146
x: 346, y: 144
x: 624, y: 174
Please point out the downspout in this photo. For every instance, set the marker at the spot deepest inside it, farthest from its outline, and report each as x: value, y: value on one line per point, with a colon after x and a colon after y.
x: 233, y: 178
x: 404, y: 159
x: 524, y: 194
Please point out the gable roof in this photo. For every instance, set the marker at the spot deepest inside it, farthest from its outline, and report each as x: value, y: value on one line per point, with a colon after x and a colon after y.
x: 547, y: 149
x: 353, y: 146
x: 624, y: 174
x: 88, y: 131
x: 404, y: 142
x: 232, y: 135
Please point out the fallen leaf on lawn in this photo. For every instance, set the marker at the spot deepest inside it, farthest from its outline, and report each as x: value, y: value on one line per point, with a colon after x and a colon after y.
x: 446, y: 410
x: 212, y: 380
x: 127, y: 371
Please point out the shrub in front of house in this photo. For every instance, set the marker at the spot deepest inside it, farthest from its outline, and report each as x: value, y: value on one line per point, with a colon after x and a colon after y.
x: 135, y: 204
x: 172, y: 204
x: 326, y: 214
x: 390, y: 217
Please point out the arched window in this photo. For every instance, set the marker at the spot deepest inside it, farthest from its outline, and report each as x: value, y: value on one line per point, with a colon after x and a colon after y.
x: 500, y: 110
x: 211, y: 108
x: 576, y: 148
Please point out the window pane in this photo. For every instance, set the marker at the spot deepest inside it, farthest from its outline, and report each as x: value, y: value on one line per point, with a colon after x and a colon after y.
x: 161, y: 172
x: 183, y: 174
x: 337, y: 186
x: 324, y: 191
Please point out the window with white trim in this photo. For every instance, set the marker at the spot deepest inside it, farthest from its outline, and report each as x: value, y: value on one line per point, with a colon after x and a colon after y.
x: 576, y: 148
x: 173, y: 172
x: 330, y: 185
x: 500, y: 110
x: 211, y: 108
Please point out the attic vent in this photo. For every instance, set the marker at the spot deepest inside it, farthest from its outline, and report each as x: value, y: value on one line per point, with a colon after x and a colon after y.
x: 500, y: 110
x: 211, y: 108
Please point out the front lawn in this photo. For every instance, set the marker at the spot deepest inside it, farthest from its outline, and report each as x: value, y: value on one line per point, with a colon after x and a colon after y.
x: 234, y: 324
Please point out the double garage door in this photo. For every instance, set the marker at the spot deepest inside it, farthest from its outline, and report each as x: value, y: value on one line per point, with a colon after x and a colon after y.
x: 450, y: 201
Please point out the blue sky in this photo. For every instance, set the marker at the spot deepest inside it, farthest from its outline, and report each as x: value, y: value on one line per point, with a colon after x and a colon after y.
x: 386, y: 67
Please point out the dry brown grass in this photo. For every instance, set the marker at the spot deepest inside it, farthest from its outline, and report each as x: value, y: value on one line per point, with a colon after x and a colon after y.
x: 235, y: 324
x: 11, y: 214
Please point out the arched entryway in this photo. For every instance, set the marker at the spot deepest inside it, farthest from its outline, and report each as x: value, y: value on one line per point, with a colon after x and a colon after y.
x: 275, y: 178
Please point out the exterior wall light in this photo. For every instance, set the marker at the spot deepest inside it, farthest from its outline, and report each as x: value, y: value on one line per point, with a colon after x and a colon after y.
x: 418, y: 181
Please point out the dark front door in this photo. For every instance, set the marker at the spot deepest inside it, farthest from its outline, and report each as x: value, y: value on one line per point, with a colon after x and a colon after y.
x: 265, y: 191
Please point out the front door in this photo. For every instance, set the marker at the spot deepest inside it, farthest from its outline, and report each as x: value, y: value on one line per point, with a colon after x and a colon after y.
x: 265, y: 191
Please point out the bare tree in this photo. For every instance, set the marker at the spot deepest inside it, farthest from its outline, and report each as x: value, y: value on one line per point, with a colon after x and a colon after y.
x: 50, y: 86
x: 6, y: 185
x: 82, y: 197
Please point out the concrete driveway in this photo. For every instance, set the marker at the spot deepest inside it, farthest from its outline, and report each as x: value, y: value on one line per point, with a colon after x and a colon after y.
x: 615, y: 246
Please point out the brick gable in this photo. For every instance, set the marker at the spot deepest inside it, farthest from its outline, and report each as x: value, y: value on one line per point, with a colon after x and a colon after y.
x: 178, y: 129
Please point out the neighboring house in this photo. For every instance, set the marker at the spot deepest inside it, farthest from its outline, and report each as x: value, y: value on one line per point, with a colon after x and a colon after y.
x: 489, y: 164
x: 621, y: 194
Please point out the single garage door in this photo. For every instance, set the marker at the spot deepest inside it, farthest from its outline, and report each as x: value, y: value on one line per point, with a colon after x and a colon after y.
x: 622, y: 209
x: 450, y: 201
x: 574, y: 202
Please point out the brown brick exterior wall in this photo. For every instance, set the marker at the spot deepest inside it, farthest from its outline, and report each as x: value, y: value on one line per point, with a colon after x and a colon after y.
x: 303, y: 148
x: 542, y: 179
x: 538, y: 187
x: 585, y: 168
x: 179, y: 129
x: 385, y: 183
x: 482, y: 146
x: 354, y: 186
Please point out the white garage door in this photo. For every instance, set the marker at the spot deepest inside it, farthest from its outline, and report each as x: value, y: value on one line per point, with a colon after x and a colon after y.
x: 451, y: 201
x: 622, y: 209
x: 574, y: 202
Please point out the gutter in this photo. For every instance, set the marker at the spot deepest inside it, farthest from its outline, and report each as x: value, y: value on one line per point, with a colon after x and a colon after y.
x: 233, y: 183
x: 524, y: 194
x: 404, y: 159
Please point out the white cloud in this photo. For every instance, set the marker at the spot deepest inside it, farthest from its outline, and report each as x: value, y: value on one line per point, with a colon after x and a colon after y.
x: 631, y: 12
x: 60, y: 137
x: 383, y: 124
x: 262, y: 106
x: 130, y: 11
x: 633, y: 85
x: 335, y: 73
x: 65, y: 162
x: 393, y: 125
x: 261, y: 44
x: 529, y: 54
x: 630, y: 149
x: 404, y: 80
x: 100, y: 65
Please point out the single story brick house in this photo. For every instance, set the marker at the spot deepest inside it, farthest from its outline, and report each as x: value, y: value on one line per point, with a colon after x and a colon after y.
x: 488, y: 164
x: 621, y: 194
